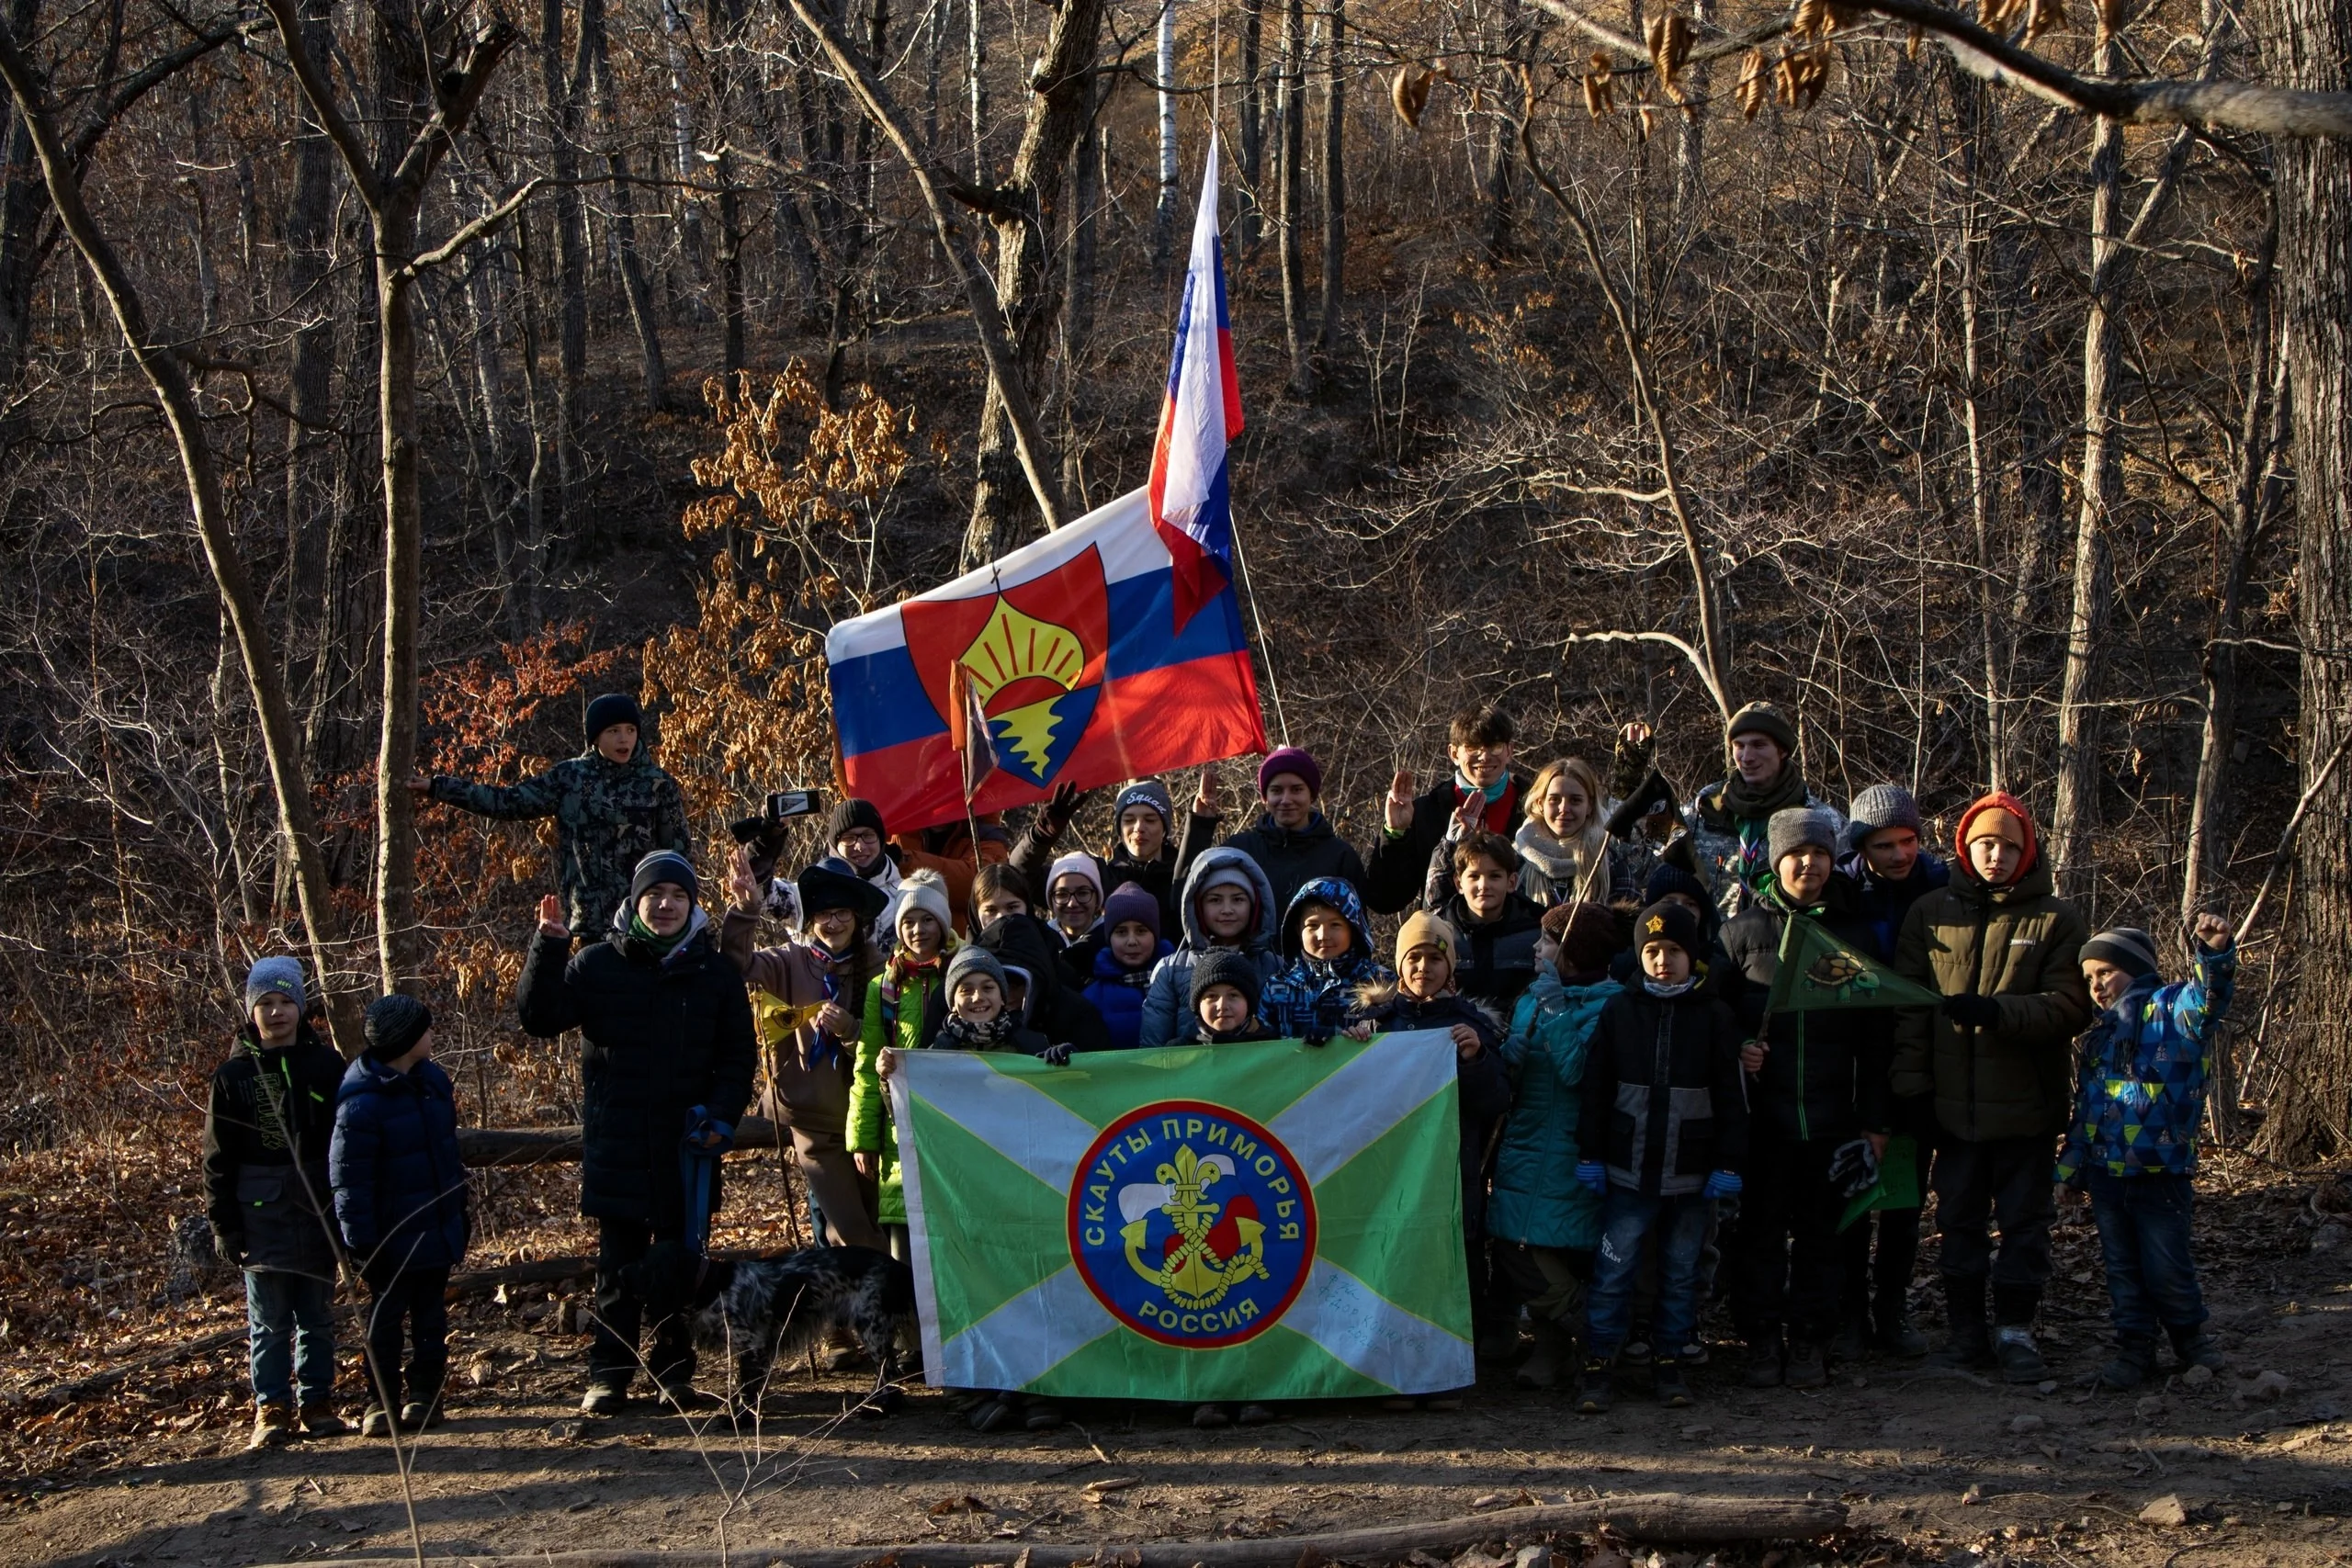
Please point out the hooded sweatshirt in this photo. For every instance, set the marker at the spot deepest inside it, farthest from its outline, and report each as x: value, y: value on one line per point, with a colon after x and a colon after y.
x: 1169, y: 1000
x: 2019, y: 943
x: 1310, y: 998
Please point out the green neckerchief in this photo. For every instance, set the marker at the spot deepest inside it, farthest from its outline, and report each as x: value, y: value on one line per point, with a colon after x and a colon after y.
x: 661, y: 946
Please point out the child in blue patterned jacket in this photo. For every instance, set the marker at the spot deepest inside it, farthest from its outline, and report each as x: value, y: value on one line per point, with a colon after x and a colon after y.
x: 2142, y: 1067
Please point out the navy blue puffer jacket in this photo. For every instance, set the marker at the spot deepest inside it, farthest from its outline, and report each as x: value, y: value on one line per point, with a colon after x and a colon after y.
x: 399, y: 1188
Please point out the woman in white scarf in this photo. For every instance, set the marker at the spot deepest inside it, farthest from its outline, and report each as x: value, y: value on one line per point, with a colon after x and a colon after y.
x: 1564, y: 844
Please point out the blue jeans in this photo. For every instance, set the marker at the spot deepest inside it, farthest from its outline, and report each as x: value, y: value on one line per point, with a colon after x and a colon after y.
x: 1681, y: 1226
x: 2143, y: 1231
x: 290, y: 1336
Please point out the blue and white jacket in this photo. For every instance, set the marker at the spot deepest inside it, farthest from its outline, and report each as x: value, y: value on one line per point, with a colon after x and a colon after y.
x: 2141, y: 1071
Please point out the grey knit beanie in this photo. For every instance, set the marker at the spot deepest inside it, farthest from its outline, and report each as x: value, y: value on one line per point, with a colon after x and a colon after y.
x: 2129, y: 948
x: 1801, y: 824
x: 973, y: 959
x: 281, y: 974
x: 1877, y: 808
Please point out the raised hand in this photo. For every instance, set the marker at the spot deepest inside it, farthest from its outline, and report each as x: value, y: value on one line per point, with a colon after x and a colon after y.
x: 420, y: 786
x: 1061, y: 807
x: 551, y: 918
x: 1204, y: 797
x: 2213, y: 932
x: 1400, y: 801
x: 1470, y: 816
x: 1633, y: 735
x: 744, y: 892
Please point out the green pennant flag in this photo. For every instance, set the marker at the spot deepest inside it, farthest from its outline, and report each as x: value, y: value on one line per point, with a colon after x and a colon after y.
x: 1819, y: 973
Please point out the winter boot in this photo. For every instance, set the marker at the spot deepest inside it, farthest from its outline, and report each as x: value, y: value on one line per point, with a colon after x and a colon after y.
x: 378, y: 1423
x: 1892, y: 1331
x: 272, y: 1425
x: 1765, y: 1363
x: 1667, y: 1382
x: 606, y: 1396
x: 1592, y: 1387
x: 1553, y: 1352
x: 2195, y: 1347
x: 1969, y: 1345
x: 1848, y: 1344
x: 2134, y: 1360
x: 320, y: 1421
x: 1805, y: 1366
x: 2019, y: 1358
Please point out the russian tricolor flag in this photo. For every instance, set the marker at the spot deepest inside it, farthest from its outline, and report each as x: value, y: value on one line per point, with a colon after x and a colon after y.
x: 1191, y: 503
x: 1110, y: 648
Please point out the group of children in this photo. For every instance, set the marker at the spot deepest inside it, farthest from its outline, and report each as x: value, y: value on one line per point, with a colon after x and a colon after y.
x: 1633, y: 1113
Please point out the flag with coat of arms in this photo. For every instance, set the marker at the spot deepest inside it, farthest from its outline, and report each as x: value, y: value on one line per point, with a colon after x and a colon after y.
x: 1108, y: 649
x: 1253, y: 1222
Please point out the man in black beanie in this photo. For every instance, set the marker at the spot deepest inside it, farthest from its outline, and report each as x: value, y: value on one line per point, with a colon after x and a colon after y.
x: 612, y: 808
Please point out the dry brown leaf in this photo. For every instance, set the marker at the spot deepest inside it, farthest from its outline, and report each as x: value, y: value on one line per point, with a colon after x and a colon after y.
x: 1599, y: 96
x: 1410, y: 93
x: 1751, y: 90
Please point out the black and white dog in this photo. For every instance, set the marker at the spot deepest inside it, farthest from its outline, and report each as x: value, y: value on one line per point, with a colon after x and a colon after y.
x: 760, y: 1308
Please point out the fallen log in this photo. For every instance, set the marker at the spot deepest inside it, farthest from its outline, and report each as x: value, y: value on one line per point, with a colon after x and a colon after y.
x: 1667, y: 1519
x: 473, y: 1282
x: 560, y: 1145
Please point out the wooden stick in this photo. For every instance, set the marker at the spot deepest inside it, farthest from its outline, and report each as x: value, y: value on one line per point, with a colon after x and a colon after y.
x: 1662, y: 1517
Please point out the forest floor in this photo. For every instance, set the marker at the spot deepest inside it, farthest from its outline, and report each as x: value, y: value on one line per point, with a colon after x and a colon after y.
x: 1936, y: 1467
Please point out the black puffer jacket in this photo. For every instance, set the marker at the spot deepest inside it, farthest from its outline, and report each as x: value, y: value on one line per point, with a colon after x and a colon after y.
x: 256, y: 1194
x: 1293, y: 859
x: 1662, y: 1100
x: 1497, y: 959
x: 1825, y: 1072
x: 657, y: 1037
x: 1054, y: 1009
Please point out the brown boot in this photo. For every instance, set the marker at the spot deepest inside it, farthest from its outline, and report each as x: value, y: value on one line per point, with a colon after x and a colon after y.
x: 320, y: 1421
x: 273, y: 1426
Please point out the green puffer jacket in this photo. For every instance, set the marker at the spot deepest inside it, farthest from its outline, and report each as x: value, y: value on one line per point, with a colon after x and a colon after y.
x: 893, y: 1019
x: 2021, y: 945
x: 1537, y: 1199
x: 608, y: 815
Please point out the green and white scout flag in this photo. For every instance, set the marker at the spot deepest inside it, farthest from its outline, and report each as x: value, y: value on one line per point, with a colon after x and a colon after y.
x: 1817, y: 972
x: 1267, y: 1221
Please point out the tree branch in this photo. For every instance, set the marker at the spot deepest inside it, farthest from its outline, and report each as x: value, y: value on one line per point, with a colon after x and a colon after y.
x: 478, y: 228
x: 455, y: 103
x: 324, y: 103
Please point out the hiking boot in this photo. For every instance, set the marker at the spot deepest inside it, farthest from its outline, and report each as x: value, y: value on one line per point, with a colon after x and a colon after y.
x: 1764, y: 1368
x: 320, y: 1421
x: 378, y: 1423
x: 1553, y: 1352
x: 1254, y: 1415
x: 1969, y: 1345
x: 2134, y: 1360
x: 2019, y: 1359
x: 273, y: 1426
x: 1896, y: 1335
x: 604, y: 1399
x: 1592, y: 1387
x: 1805, y: 1369
x: 417, y: 1416
x: 1211, y: 1416
x: 681, y: 1395
x: 1043, y: 1416
x: 1635, y: 1352
x: 2195, y: 1347
x: 1666, y: 1381
x: 995, y: 1413
x: 1694, y: 1354
x: 1847, y: 1346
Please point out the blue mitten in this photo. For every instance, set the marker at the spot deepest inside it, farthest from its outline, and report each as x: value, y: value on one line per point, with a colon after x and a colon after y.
x: 1593, y: 1174
x: 1722, y: 1184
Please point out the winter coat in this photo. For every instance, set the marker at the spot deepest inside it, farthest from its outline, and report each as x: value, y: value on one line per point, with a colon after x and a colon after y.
x: 399, y: 1187
x: 1537, y: 1199
x: 1293, y: 859
x: 1825, y: 1073
x: 1663, y: 1104
x: 1310, y: 998
x: 608, y: 815
x: 269, y: 1124
x: 1733, y: 852
x: 899, y: 1007
x: 1481, y: 1083
x: 809, y: 1071
x: 1880, y: 905
x: 1498, y: 958
x: 1055, y: 1007
x: 2143, y: 1064
x: 1398, y: 869
x: 1117, y: 994
x: 2020, y: 945
x: 1169, y: 999
x: 1034, y: 854
x: 659, y: 1037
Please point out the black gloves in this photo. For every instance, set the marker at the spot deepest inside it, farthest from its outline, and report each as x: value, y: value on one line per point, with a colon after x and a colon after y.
x: 1053, y: 816
x: 1054, y: 1056
x: 1972, y: 1011
x: 1853, y: 1169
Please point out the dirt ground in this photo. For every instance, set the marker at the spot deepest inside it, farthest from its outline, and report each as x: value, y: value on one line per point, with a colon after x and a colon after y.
x: 1937, y: 1467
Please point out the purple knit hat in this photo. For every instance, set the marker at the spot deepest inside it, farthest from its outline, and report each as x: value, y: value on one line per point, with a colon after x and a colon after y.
x: 1131, y: 901
x: 1291, y: 760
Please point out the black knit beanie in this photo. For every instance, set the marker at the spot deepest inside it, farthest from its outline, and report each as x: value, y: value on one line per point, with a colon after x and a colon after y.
x: 612, y: 708
x: 395, y: 1023
x: 849, y: 815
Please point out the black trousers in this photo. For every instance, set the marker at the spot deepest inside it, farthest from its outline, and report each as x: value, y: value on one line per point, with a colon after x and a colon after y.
x: 2006, y: 1181
x: 416, y: 1301
x: 1879, y: 1251
x: 611, y: 1348
x: 1787, y: 1261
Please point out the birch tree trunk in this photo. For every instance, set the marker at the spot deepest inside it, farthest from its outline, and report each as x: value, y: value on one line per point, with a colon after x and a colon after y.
x: 1292, y: 111
x: 1163, y: 216
x: 1334, y: 182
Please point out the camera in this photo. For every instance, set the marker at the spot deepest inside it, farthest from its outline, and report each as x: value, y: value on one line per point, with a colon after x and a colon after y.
x: 781, y: 807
